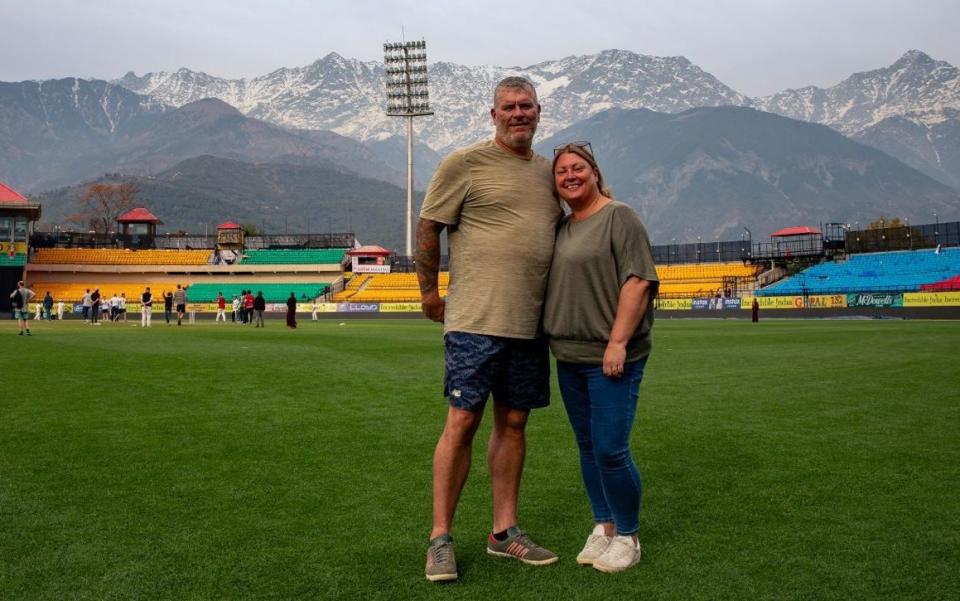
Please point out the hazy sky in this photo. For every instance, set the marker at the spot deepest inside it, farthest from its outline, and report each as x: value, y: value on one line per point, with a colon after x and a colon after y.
x: 757, y: 47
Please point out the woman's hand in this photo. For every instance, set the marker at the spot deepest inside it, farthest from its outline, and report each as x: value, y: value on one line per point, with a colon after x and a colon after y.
x: 613, y: 359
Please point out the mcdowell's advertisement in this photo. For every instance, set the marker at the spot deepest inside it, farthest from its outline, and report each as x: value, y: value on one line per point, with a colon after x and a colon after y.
x: 875, y: 300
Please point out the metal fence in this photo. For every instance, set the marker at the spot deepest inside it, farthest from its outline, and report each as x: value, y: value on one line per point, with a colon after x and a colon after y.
x: 186, y: 242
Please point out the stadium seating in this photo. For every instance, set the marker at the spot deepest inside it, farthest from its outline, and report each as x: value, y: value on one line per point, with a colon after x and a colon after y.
x: 274, y: 293
x: 105, y: 256
x: 387, y: 288
x: 701, y: 279
x: 902, y: 271
x: 72, y: 292
x: 307, y: 256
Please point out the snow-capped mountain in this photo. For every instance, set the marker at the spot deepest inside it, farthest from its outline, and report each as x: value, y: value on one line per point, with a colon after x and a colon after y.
x: 910, y: 110
x: 347, y: 96
x: 917, y: 98
x: 916, y: 86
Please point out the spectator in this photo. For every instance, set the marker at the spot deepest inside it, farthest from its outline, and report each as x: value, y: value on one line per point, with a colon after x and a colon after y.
x: 87, y: 303
x: 21, y: 306
x: 95, y: 307
x: 221, y: 308
x: 236, y: 307
x: 48, y: 305
x: 292, y: 312
x: 259, y: 306
x: 180, y: 300
x: 146, y: 307
x: 167, y: 305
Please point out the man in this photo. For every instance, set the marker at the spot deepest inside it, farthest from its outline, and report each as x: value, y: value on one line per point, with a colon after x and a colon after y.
x: 60, y: 307
x: 180, y: 300
x: 21, y: 307
x: 248, y: 307
x: 236, y: 307
x: 86, y: 303
x: 48, y: 306
x: 114, y: 307
x: 146, y: 307
x: 123, y: 307
x: 95, y: 307
x: 496, y: 199
x: 221, y: 308
x: 167, y: 304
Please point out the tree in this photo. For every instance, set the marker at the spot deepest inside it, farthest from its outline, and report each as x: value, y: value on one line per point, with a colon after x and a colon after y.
x: 250, y: 229
x: 102, y: 203
x: 884, y: 223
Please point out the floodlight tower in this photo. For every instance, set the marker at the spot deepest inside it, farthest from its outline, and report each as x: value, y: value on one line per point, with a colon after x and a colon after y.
x: 407, y: 96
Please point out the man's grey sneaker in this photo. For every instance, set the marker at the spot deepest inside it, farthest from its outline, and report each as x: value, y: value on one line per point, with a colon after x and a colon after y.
x: 519, y: 546
x: 620, y: 555
x: 597, y: 543
x: 441, y: 564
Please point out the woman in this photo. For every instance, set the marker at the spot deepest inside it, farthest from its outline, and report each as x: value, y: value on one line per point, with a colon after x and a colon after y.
x: 598, y: 316
x: 292, y: 312
x: 259, y: 306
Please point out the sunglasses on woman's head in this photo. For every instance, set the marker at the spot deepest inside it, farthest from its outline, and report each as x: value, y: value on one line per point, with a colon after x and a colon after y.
x: 582, y: 144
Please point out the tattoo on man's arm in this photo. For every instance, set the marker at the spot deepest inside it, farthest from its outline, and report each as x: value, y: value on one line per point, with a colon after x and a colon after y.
x: 427, y: 254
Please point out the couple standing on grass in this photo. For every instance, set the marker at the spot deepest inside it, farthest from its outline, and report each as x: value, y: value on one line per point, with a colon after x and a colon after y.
x: 522, y: 277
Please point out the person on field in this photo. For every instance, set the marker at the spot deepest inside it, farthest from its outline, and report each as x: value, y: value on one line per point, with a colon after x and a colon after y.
x: 168, y: 305
x: 114, y: 307
x: 598, y: 317
x: 292, y: 312
x: 60, y: 307
x: 259, y: 306
x: 755, y: 311
x: 180, y: 300
x: 48, y: 305
x: 235, y: 307
x: 146, y: 307
x: 86, y: 303
x: 122, y: 309
x: 38, y: 310
x: 221, y: 308
x: 20, y: 301
x: 248, y: 303
x: 95, y: 307
x: 497, y: 203
x: 313, y: 311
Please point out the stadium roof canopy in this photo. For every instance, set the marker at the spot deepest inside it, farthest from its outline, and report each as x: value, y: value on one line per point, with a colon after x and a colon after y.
x: 229, y: 225
x: 800, y: 230
x: 10, y: 196
x: 367, y: 251
x: 138, y: 215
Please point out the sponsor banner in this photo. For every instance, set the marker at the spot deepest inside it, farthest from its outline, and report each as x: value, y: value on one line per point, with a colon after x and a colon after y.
x: 371, y: 269
x: 674, y: 304
x: 358, y: 307
x: 875, y: 300
x: 13, y: 248
x: 400, y: 307
x: 701, y: 303
x: 327, y: 308
x: 731, y: 303
x: 827, y: 301
x: 931, y: 299
x: 773, y: 302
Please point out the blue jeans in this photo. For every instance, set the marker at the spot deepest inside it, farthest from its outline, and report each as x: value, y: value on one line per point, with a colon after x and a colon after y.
x: 601, y: 411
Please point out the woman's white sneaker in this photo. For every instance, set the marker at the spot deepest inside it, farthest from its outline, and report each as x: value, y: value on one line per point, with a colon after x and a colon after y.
x: 597, y: 543
x: 621, y: 554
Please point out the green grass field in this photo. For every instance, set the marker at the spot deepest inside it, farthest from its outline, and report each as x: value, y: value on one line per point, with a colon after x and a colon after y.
x: 782, y: 460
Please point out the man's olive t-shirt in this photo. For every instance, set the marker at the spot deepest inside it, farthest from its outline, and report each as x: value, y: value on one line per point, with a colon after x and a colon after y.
x: 502, y: 217
x: 592, y: 260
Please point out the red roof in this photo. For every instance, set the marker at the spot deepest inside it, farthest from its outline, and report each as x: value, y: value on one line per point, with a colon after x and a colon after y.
x: 138, y: 215
x: 9, y: 195
x: 229, y: 225
x: 370, y: 250
x: 800, y: 230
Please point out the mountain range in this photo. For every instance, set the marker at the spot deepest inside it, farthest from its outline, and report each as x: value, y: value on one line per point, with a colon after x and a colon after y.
x: 652, y: 117
x: 916, y: 94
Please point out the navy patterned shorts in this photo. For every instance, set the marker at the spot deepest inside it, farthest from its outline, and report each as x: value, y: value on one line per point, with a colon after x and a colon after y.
x: 516, y: 371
